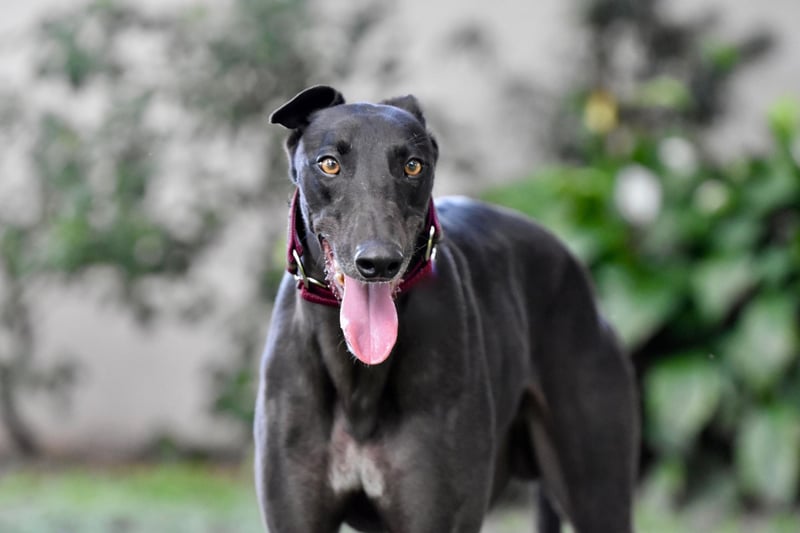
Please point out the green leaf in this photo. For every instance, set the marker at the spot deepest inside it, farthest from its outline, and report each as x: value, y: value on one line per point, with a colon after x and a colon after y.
x: 665, y: 92
x: 665, y: 481
x: 764, y: 343
x: 636, y: 304
x: 771, y: 187
x: 725, y: 57
x: 737, y: 235
x: 682, y: 393
x: 12, y: 250
x: 775, y: 265
x: 571, y: 202
x: 68, y: 243
x: 768, y: 454
x: 718, y: 282
x: 784, y: 118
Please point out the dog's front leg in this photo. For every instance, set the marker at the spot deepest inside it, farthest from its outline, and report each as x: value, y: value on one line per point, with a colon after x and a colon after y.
x: 292, y: 494
x: 290, y: 462
x: 430, y: 489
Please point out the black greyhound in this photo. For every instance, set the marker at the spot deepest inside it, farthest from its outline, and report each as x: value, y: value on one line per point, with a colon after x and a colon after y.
x: 413, y: 367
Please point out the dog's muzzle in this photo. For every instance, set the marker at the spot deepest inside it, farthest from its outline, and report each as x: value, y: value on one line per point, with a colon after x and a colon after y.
x: 368, y: 316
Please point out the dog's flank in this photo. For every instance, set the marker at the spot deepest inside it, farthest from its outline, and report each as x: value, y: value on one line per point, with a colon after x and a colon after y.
x: 421, y: 355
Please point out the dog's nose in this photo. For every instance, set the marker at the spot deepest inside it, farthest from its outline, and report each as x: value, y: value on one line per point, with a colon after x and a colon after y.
x: 378, y: 261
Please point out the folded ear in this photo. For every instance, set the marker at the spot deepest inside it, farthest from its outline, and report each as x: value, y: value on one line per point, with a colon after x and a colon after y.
x: 295, y: 113
x: 408, y: 103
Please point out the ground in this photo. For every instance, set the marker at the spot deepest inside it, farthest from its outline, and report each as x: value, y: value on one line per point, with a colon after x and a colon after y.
x: 201, y: 498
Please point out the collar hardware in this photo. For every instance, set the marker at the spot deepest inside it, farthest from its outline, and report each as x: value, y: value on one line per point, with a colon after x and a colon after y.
x: 430, y: 249
x: 300, y: 275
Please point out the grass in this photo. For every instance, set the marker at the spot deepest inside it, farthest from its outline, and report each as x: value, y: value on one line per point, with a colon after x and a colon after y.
x: 199, y: 498
x: 169, y: 499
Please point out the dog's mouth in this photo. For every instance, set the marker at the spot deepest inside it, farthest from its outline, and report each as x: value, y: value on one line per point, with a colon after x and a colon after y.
x: 333, y: 272
x: 367, y: 315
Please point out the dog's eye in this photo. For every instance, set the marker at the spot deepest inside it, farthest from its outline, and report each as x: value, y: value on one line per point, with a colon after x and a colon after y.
x: 413, y: 167
x: 329, y: 165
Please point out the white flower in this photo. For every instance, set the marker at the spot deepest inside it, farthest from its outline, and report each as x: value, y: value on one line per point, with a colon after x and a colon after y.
x: 711, y: 196
x: 678, y: 155
x: 637, y: 194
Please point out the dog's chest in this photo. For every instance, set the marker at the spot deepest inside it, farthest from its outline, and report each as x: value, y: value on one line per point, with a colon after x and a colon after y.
x: 355, y: 466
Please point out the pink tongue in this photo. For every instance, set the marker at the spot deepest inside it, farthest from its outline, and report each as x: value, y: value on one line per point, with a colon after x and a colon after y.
x: 368, y: 319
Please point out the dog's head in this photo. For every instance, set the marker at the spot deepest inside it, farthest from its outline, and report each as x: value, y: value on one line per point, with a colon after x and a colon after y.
x: 365, y: 174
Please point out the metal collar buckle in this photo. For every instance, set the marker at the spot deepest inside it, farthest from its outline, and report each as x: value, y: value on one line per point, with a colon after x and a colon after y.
x: 430, y: 249
x: 301, y: 273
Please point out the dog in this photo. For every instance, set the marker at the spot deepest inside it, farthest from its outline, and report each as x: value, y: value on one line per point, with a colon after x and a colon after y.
x: 421, y: 354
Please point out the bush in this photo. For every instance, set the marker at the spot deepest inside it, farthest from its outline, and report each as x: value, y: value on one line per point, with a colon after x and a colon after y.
x: 698, y: 266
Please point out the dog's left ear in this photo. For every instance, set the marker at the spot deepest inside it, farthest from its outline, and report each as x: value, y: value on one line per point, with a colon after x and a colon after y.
x: 407, y: 103
x: 410, y: 103
x: 296, y: 113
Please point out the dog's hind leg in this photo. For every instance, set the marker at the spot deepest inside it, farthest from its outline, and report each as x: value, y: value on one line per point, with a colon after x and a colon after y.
x: 586, y: 434
x: 547, y: 519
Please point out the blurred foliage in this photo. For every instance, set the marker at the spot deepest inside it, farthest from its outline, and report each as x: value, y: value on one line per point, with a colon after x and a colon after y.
x: 98, y: 180
x: 149, y: 90
x: 649, y: 72
x: 704, y: 294
x: 85, y: 224
x: 697, y: 263
x: 92, y: 209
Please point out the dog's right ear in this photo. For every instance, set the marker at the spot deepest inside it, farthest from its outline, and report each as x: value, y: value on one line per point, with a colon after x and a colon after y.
x: 295, y: 113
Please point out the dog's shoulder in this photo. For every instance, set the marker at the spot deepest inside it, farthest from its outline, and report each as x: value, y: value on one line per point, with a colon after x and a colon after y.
x: 497, y: 242
x: 469, y: 222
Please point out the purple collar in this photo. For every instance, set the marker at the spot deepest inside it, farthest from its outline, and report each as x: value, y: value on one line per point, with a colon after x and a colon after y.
x: 317, y: 291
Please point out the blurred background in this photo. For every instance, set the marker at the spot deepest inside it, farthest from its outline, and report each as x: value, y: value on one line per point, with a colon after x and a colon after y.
x: 143, y: 203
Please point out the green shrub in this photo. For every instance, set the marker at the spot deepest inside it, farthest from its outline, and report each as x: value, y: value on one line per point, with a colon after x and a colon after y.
x: 698, y: 266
